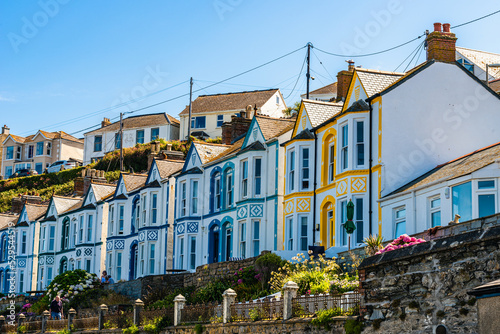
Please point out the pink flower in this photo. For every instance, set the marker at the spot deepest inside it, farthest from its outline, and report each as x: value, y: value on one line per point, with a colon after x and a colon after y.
x: 240, y: 281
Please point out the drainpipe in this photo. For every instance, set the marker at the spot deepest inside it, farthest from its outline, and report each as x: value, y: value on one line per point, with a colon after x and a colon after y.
x: 314, y: 187
x: 370, y: 164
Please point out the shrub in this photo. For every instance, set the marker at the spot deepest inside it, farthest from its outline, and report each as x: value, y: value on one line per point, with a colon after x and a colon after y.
x: 265, y: 265
x: 373, y: 244
x: 402, y: 241
x: 324, y: 318
x: 353, y: 326
x: 22, y: 329
x: 198, y: 329
x: 131, y: 330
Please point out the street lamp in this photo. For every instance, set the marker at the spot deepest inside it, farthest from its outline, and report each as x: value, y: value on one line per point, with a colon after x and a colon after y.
x: 349, y: 226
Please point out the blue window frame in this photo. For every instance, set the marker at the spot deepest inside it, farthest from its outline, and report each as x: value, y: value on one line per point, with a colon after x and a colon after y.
x: 220, y: 120
x: 97, y: 143
x: 139, y: 137
x: 39, y: 148
x: 198, y: 122
x: 155, y: 133
x: 9, y: 155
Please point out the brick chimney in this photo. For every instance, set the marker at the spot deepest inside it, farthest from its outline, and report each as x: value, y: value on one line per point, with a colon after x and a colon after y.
x: 82, y: 184
x: 18, y: 202
x: 105, y: 122
x: 343, y: 80
x: 441, y: 44
x: 5, y: 130
x: 238, y: 126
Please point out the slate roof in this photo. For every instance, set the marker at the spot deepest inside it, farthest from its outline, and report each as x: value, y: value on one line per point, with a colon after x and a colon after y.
x: 208, y: 151
x: 49, y: 135
x: 65, y: 204
x: 138, y: 122
x: 274, y: 127
x: 35, y: 211
x: 456, y: 168
x: 6, y: 218
x: 481, y: 58
x: 103, y: 191
x: 375, y: 81
x: 320, y: 112
x: 134, y: 181
x: 495, y: 85
x: 168, y: 167
x: 229, y: 101
x: 328, y: 89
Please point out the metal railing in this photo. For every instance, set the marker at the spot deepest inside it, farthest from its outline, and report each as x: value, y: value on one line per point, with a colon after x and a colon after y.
x: 264, y: 309
x: 308, y: 305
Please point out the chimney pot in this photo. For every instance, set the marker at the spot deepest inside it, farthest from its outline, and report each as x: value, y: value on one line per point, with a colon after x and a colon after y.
x: 5, y: 130
x: 446, y: 27
x: 350, y: 65
x: 437, y: 26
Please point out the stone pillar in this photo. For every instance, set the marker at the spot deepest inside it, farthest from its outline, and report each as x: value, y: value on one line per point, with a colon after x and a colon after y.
x: 71, y: 316
x: 2, y: 321
x: 138, y: 304
x: 21, y: 319
x: 228, y: 299
x: 179, y: 302
x: 45, y: 317
x: 102, y: 309
x: 289, y: 292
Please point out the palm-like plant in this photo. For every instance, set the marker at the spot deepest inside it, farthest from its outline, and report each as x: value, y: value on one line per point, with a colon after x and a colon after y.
x: 373, y: 244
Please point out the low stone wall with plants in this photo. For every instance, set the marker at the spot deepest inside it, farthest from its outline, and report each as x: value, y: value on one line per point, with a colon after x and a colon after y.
x: 418, y: 288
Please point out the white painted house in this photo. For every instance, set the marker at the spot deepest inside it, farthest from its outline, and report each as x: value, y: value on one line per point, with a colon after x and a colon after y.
x: 209, y: 112
x: 136, y: 130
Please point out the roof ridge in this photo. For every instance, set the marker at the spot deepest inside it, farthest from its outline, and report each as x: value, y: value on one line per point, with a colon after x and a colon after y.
x: 491, y: 53
x: 134, y: 174
x: 34, y: 204
x: 275, y: 118
x: 333, y: 104
x: 243, y: 92
x: 211, y: 144
x: 467, y: 155
x: 378, y: 71
x: 102, y: 183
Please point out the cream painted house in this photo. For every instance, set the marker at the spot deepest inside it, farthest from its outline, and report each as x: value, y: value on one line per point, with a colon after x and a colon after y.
x: 326, y: 94
x: 136, y: 130
x: 209, y: 112
x: 39, y: 151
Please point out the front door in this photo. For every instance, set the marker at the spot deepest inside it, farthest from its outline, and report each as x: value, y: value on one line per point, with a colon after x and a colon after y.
x: 215, y: 248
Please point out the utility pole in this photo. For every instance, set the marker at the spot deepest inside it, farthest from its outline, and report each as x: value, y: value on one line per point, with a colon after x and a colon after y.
x: 121, y: 142
x: 308, y: 74
x: 190, y: 100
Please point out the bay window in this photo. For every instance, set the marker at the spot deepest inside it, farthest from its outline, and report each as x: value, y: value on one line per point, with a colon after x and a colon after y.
x: 291, y: 171
x: 289, y: 233
x: 243, y: 244
x: 486, y: 198
x: 154, y: 208
x: 151, y: 259
x: 344, y: 151
x: 331, y: 162
x: 257, y: 176
x: 360, y: 144
x: 462, y: 201
x: 194, y: 197
x: 303, y: 233
x: 121, y: 218
x: 192, y: 254
x: 244, y: 179
x: 256, y: 237
x: 435, y: 211
x: 183, y: 199
x: 305, y: 169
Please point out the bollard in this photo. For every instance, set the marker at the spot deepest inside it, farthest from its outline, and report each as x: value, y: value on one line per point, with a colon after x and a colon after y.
x: 21, y: 319
x: 228, y: 299
x: 289, y: 292
x: 179, y: 302
x: 102, y: 309
x: 138, y: 304
x: 71, y: 316
x: 45, y: 317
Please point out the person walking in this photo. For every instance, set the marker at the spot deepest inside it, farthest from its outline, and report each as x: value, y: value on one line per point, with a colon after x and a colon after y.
x: 56, y: 308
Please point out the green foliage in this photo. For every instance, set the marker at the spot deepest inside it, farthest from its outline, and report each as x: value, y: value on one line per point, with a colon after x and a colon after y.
x: 376, y: 324
x: 92, y: 298
x: 265, y: 265
x: 131, y: 330
x: 163, y: 323
x: 353, y: 326
x: 198, y: 329
x: 324, y: 318
x: 22, y: 329
x: 373, y: 243
x: 108, y: 324
x: 292, y: 110
x: 64, y: 331
x: 257, y: 313
x: 150, y: 328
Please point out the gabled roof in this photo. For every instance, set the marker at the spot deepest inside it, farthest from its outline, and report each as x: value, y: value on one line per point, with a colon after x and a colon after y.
x: 17, y: 139
x: 481, y: 58
x: 133, y: 181
x: 207, y: 151
x: 64, y: 204
x: 375, y: 81
x: 235, y: 147
x: 6, y: 219
x: 461, y: 166
x: 141, y: 121
x: 328, y: 89
x: 229, y: 101
x: 102, y: 191
x: 35, y: 211
x: 274, y: 127
x: 320, y: 112
x: 168, y: 167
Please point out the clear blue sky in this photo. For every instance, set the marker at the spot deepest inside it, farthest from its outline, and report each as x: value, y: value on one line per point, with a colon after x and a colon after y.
x: 81, y: 57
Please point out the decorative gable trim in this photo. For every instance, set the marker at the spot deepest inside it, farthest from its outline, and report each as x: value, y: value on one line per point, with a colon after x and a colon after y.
x: 355, y: 92
x: 303, y: 121
x: 253, y: 134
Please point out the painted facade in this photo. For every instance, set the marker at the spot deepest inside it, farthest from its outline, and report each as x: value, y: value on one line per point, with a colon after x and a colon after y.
x: 229, y: 198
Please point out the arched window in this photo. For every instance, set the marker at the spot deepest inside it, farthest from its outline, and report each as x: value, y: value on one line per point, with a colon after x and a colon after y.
x: 65, y: 234
x: 135, y: 214
x: 63, y: 267
x: 227, y: 239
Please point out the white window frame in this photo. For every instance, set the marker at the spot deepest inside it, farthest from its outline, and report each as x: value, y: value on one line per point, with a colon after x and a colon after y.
x: 181, y: 252
x: 399, y: 220
x: 344, y: 147
x: 183, y: 199
x: 242, y: 242
x: 257, y: 177
x: 244, y: 178
x: 304, y: 168
x: 229, y: 189
x: 90, y: 227
x: 119, y: 266
x: 289, y: 233
x: 218, y: 193
x: 256, y: 232
x: 192, y: 252
x: 485, y: 191
x: 110, y: 264
x: 154, y: 208
x: 111, y: 226
x: 291, y: 171
x: 303, y: 237
x: 436, y: 209
x: 151, y: 262
x: 81, y: 223
x: 121, y: 219
x: 331, y: 162
x: 195, y: 190
x: 142, y: 248
x: 360, y: 145
x: 24, y: 242
x: 52, y: 227
x: 144, y: 212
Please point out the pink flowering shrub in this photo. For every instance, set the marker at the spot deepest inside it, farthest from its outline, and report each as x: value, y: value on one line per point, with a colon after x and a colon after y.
x: 402, y: 241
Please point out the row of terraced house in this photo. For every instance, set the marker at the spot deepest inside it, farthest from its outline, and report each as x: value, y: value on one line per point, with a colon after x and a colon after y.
x: 411, y: 151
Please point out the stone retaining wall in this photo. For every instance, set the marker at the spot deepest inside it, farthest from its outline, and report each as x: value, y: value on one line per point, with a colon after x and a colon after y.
x: 204, y: 274
x: 415, y: 289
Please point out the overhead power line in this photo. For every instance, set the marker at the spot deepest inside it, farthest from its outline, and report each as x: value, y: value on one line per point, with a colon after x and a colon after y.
x: 478, y: 19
